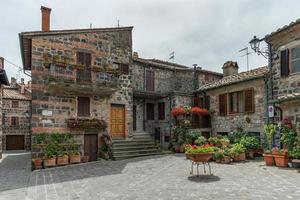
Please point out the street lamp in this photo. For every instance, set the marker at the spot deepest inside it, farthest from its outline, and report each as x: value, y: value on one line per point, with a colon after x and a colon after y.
x: 254, y: 44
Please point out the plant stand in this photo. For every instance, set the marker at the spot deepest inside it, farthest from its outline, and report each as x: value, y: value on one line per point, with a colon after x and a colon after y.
x: 198, y: 159
x: 204, y: 169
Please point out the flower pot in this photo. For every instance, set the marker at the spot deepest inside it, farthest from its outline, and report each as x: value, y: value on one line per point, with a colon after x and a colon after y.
x: 250, y: 154
x: 281, y: 160
x: 199, y: 157
x: 75, y: 159
x: 50, y: 162
x: 296, y: 163
x: 37, y: 163
x: 62, y: 160
x: 182, y: 148
x: 240, y: 157
x: 177, y: 149
x: 85, y: 159
x: 269, y: 159
x: 226, y: 160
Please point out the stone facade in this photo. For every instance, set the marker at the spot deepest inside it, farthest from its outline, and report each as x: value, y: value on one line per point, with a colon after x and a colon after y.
x: 16, y: 103
x: 109, y: 48
x: 284, y: 90
x: 249, y: 122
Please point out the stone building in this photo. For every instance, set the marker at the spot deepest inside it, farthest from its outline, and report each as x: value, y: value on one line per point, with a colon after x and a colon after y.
x: 236, y: 101
x: 3, y: 82
x: 16, y: 115
x: 158, y: 86
x: 284, y: 83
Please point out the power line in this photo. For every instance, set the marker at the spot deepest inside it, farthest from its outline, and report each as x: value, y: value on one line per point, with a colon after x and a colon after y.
x: 19, y: 68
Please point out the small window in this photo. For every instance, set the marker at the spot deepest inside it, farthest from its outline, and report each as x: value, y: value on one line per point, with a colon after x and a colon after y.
x: 84, y: 59
x: 295, y: 60
x: 223, y: 104
x: 15, y: 104
x: 150, y: 111
x: 14, y: 121
x: 150, y: 80
x: 236, y: 102
x: 83, y: 107
x: 124, y: 69
x: 161, y: 111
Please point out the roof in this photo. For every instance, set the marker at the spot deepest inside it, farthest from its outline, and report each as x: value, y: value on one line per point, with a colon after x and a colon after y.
x: 288, y: 97
x: 13, y: 93
x: 236, y: 78
x: 25, y: 39
x: 282, y: 29
x: 3, y: 77
x: 171, y: 66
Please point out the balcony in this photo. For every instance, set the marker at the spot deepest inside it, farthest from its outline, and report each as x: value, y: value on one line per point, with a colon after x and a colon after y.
x: 74, y: 82
x: 86, y: 123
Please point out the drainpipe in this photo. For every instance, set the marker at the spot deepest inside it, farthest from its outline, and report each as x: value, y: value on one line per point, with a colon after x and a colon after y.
x: 269, y: 83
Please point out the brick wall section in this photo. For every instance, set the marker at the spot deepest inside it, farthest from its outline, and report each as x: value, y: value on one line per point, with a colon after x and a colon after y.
x: 231, y: 122
x: 105, y: 48
x: 286, y: 85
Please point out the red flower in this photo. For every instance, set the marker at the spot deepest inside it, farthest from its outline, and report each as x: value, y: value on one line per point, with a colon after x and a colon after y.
x: 177, y: 111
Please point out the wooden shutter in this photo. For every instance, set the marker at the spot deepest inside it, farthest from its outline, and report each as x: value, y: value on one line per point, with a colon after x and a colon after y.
x: 124, y: 69
x: 207, y: 102
x: 150, y: 80
x: 223, y: 104
x: 284, y: 63
x: 150, y: 111
x: 88, y: 60
x: 249, y: 100
x: 161, y: 110
x: 83, y: 108
x: 80, y: 58
x: 14, y: 121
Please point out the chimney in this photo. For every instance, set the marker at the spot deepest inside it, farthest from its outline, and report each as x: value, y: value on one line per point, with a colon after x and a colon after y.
x: 13, y: 81
x: 1, y: 63
x: 135, y: 54
x: 230, y: 68
x: 45, y: 18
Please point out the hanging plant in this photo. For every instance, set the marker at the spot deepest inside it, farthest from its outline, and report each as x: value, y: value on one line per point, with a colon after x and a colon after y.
x: 177, y: 111
x: 196, y: 110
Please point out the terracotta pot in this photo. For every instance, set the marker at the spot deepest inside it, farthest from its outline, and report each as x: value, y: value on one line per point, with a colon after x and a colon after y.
x: 37, y: 163
x: 199, y: 157
x: 49, y: 162
x: 75, y: 159
x: 62, y: 160
x: 240, y: 157
x: 177, y: 149
x: 85, y: 159
x: 269, y: 159
x: 226, y: 160
x: 281, y: 161
x: 182, y: 149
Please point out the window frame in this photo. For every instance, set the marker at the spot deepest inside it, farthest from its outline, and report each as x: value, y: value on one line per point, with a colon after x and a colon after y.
x: 291, y: 61
x: 147, y: 88
x: 17, y: 122
x: 161, y: 112
x: 15, y: 104
x: 151, y: 116
x: 89, y: 110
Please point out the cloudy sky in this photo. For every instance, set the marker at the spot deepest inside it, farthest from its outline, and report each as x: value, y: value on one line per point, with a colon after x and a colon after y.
x: 206, y: 32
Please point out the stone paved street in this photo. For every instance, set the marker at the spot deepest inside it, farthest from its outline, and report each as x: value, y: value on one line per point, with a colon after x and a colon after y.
x: 160, y: 177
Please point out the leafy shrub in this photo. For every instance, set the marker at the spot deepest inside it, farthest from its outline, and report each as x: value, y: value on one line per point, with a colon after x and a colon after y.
x: 249, y: 142
x: 288, y: 137
x: 224, y: 141
x: 218, y: 155
x: 236, y: 137
x: 200, y: 150
x: 237, y: 149
x: 180, y: 134
x: 295, y: 152
x: 201, y: 141
x: 192, y: 136
x: 216, y: 140
x: 270, y: 130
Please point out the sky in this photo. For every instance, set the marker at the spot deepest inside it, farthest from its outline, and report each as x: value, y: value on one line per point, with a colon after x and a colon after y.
x: 203, y: 32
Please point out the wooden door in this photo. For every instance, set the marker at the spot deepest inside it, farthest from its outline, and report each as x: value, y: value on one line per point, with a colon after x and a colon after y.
x: 134, y: 117
x: 91, y: 146
x: 15, y: 142
x: 117, y: 121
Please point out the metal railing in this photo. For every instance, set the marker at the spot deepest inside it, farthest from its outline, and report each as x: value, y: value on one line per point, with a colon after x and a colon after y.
x: 61, y: 72
x: 84, y: 75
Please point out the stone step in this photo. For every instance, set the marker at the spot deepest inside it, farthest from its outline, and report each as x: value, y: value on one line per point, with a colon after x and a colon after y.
x: 121, y: 157
x: 134, y: 152
x: 136, y: 147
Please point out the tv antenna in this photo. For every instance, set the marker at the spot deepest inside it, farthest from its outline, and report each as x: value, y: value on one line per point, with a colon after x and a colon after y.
x: 247, y: 53
x: 172, y: 56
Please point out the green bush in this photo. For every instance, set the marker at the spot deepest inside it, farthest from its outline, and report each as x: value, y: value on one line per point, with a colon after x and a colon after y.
x: 237, y: 149
x: 236, y: 137
x: 269, y: 131
x: 250, y: 142
x: 180, y: 134
x: 215, y: 140
x: 192, y: 136
x: 200, y: 150
x: 295, y: 152
x: 288, y: 137
x: 219, y: 155
x: 201, y: 141
x: 51, y: 150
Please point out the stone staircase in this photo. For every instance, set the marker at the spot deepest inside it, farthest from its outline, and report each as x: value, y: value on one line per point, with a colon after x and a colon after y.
x: 142, y: 144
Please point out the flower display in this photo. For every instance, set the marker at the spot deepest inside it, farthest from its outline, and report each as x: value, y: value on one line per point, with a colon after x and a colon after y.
x: 178, y: 111
x: 199, y: 111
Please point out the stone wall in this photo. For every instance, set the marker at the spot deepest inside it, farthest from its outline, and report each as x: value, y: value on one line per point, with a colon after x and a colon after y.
x: 50, y: 110
x: 1, y: 132
x: 23, y: 113
x: 252, y: 122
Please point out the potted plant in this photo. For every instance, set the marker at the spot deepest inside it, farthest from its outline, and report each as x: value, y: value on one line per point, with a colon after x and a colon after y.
x: 269, y: 130
x: 62, y: 159
x: 295, y: 155
x: 281, y: 158
x: 104, y: 151
x: 85, y: 158
x: 50, y: 155
x: 37, y: 163
x: 288, y: 137
x: 218, y: 156
x: 250, y: 143
x: 237, y: 152
x: 201, y: 140
x: 224, y: 142
x: 200, y: 154
x: 215, y: 141
x: 192, y: 136
x: 74, y: 156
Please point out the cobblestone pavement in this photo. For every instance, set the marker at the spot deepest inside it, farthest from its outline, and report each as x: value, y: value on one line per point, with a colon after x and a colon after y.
x: 165, y: 177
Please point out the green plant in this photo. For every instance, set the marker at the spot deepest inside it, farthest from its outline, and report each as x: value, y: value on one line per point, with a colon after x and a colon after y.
x: 236, y: 137
x: 192, y: 136
x: 218, y: 155
x: 104, y: 148
x: 180, y: 134
x: 40, y: 138
x: 216, y: 140
x: 225, y: 141
x: 270, y: 130
x: 250, y: 142
x: 288, y: 137
x: 237, y: 149
x: 201, y: 140
x: 51, y: 150
x: 200, y: 150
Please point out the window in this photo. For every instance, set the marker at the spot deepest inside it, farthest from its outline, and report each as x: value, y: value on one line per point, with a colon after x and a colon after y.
x: 161, y: 111
x: 84, y: 59
x: 14, y: 121
x: 15, y: 104
x: 284, y: 63
x: 83, y: 107
x: 150, y: 80
x: 223, y: 104
x: 150, y: 111
x: 295, y: 60
x: 236, y: 102
x: 124, y: 69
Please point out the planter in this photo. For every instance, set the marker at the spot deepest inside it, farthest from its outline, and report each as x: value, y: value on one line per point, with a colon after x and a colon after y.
x: 281, y: 160
x: 182, y: 148
x: 296, y: 163
x: 75, y: 159
x: 269, y: 159
x: 62, y: 160
x: 250, y: 154
x: 199, y: 157
x: 226, y: 160
x: 85, y: 159
x: 49, y: 162
x: 240, y: 157
x: 177, y: 149
x: 37, y: 163
x: 282, y: 153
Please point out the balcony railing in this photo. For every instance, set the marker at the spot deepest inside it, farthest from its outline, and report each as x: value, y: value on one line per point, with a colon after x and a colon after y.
x: 86, y: 123
x: 84, y: 75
